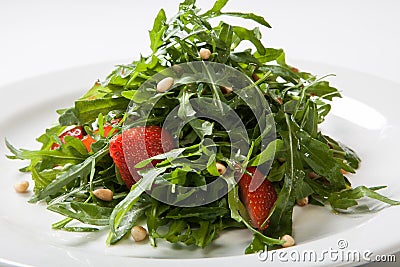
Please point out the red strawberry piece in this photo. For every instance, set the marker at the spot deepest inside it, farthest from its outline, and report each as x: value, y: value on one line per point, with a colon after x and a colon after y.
x: 107, y: 130
x: 258, y: 202
x: 76, y: 132
x: 108, y: 127
x: 87, y: 141
x: 135, y: 145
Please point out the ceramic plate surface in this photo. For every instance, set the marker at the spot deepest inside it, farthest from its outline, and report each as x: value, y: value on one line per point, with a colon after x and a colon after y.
x: 366, y: 119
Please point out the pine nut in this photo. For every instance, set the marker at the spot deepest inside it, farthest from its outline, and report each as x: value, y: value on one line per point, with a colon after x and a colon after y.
x: 302, y: 202
x: 226, y: 90
x: 104, y: 194
x: 21, y: 187
x: 289, y: 241
x: 205, y: 53
x: 221, y: 168
x: 165, y: 84
x: 138, y: 233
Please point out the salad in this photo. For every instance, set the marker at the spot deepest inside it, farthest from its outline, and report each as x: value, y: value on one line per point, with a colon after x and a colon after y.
x: 150, y: 143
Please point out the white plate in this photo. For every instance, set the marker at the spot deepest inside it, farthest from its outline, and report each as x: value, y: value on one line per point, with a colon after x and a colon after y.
x: 366, y: 119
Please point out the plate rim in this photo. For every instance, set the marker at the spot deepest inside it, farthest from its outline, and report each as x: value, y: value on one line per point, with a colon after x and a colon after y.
x: 384, y: 214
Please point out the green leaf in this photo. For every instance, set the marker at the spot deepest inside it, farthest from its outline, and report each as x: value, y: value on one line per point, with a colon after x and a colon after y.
x: 203, y: 235
x: 347, y: 198
x: 310, y: 119
x: 128, y: 221
x: 203, y: 213
x: 128, y: 94
x: 187, y: 4
x: 158, y: 30
x: 303, y: 190
x: 172, y: 154
x: 255, y: 246
x: 271, y: 54
x: 351, y: 157
x: 154, y: 219
x: 80, y: 229
x: 277, y: 173
x: 320, y: 158
x: 97, y: 91
x: 253, y: 36
x: 281, y: 215
x: 72, y: 173
x: 244, y: 57
x: 75, y: 143
x: 88, y: 110
x: 119, y: 212
x: 43, y: 178
x: 175, y: 231
x: 84, y: 212
x: 216, y: 9
x: 202, y: 127
x: 250, y: 16
x: 63, y: 156
x: 68, y: 117
x: 225, y: 36
x: 322, y: 89
x: 177, y: 176
x: 267, y: 154
x: 185, y: 110
x: 283, y: 72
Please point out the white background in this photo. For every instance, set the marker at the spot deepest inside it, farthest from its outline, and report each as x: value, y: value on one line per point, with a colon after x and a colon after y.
x: 38, y: 37
x: 42, y: 36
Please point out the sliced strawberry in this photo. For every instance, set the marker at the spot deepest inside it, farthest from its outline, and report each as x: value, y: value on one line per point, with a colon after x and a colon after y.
x: 88, y: 141
x: 130, y: 144
x: 76, y: 132
x: 259, y: 202
x: 108, y: 127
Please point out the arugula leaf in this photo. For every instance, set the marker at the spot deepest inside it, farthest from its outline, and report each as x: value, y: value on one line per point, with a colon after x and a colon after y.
x: 119, y: 212
x: 216, y: 9
x: 255, y: 246
x: 157, y: 32
x: 253, y: 36
x: 267, y: 154
x: 81, y: 170
x: 323, y: 89
x: 84, y: 212
x: 281, y: 215
x: 129, y: 220
x: 75, y: 144
x: 271, y: 54
x: 68, y: 117
x: 347, y: 198
x: 320, y: 158
x: 204, y: 213
x: 250, y: 16
x: 88, y: 111
x: 24, y: 154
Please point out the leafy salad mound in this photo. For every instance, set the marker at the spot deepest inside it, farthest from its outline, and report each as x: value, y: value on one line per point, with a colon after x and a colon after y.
x: 306, y: 163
